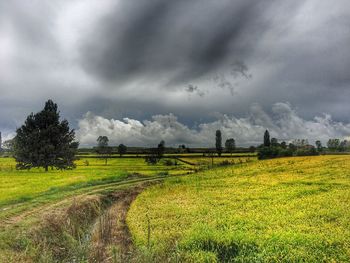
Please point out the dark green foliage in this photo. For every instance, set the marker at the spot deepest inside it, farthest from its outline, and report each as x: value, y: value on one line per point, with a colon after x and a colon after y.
x: 230, y: 145
x: 279, y: 151
x: 318, y: 146
x: 344, y: 146
x: 306, y: 151
x: 161, y: 149
x: 122, y: 149
x: 335, y: 145
x: 283, y: 145
x: 218, y: 142
x: 274, y: 142
x: 267, y: 152
x: 252, y: 149
x: 292, y: 147
x: 168, y: 162
x: 44, y: 141
x: 156, y: 154
x: 267, y: 141
x: 153, y: 157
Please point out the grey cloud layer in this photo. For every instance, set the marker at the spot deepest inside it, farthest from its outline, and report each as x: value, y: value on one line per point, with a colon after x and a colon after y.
x: 184, y: 39
x: 284, y: 123
x: 190, y: 57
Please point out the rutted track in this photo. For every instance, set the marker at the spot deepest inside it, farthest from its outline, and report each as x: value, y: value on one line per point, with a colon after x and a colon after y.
x: 119, y: 194
x: 17, y: 217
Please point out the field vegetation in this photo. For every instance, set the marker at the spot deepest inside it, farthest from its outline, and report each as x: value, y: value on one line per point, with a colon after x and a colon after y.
x: 281, y: 210
x: 23, y: 186
x: 27, y: 197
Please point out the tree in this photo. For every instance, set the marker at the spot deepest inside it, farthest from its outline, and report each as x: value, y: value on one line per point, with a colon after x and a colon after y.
x: 122, y: 149
x: 44, y: 141
x: 343, y: 146
x: 274, y: 142
x: 155, y: 154
x: 292, y: 147
x: 218, y: 142
x: 252, y: 148
x: 333, y: 144
x: 267, y: 141
x: 102, y: 147
x: 300, y: 143
x: 102, y: 141
x: 230, y: 145
x: 284, y: 145
x: 161, y: 149
x: 318, y: 146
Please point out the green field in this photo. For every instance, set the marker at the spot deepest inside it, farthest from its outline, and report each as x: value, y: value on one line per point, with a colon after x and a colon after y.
x: 282, y: 210
x: 26, y: 195
x: 21, y: 188
x: 228, y: 209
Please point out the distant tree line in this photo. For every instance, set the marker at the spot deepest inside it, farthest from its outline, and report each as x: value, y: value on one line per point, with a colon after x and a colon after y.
x: 46, y: 141
x: 271, y: 148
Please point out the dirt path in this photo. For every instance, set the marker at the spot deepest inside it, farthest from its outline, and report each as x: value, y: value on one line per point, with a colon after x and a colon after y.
x: 111, y: 240
x: 42, y: 208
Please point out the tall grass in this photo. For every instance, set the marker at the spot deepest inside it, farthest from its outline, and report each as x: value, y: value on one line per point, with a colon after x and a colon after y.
x: 283, y: 210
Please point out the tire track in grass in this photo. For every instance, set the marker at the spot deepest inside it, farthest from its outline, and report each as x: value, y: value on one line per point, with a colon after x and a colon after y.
x: 19, y: 215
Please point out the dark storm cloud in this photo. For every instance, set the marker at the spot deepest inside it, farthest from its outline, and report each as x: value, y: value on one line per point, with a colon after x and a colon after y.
x: 185, y: 39
x: 193, y: 58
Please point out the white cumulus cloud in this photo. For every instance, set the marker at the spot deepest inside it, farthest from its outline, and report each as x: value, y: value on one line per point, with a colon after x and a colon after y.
x: 283, y: 123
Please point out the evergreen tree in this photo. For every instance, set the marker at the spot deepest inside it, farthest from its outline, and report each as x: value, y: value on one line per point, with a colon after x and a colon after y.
x: 267, y: 141
x: 218, y: 142
x: 44, y: 141
x: 161, y: 149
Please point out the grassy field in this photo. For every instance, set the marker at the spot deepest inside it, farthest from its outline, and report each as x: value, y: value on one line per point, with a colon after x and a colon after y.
x: 224, y: 160
x: 36, y: 185
x: 25, y: 196
x: 282, y: 210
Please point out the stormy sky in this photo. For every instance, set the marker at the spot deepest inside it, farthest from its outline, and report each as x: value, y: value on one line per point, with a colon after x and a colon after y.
x: 144, y: 70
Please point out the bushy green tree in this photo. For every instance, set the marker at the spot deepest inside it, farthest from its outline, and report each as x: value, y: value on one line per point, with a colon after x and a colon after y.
x: 45, y: 141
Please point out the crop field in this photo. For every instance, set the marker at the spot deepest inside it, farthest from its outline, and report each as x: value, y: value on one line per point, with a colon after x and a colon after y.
x: 281, y: 210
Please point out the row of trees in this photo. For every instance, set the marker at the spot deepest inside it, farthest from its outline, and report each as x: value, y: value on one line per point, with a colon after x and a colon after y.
x: 45, y: 141
x: 105, y: 150
x: 271, y: 148
x: 230, y: 144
